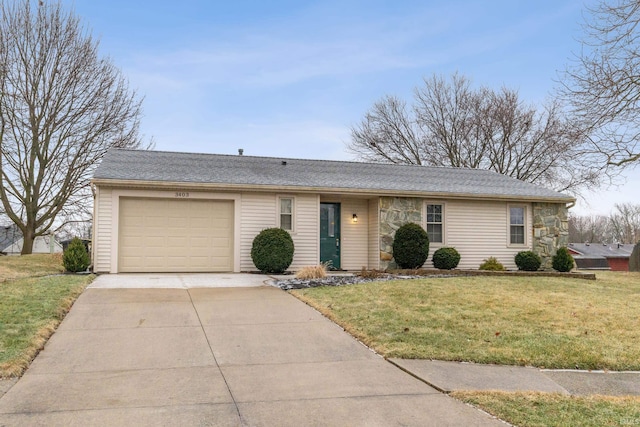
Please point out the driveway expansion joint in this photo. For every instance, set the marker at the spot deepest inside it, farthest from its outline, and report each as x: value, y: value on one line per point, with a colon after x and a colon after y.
x: 226, y: 382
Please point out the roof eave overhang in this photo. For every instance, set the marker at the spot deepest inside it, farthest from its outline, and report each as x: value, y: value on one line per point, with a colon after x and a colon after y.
x: 324, y: 190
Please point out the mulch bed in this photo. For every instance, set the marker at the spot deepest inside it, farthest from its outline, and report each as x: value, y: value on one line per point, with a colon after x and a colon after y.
x: 341, y: 280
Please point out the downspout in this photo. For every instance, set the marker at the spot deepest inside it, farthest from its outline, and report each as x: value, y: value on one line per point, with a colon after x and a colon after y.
x: 94, y: 191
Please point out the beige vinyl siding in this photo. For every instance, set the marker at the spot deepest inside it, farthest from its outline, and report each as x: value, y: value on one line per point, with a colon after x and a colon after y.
x: 103, y: 229
x: 354, y: 239
x: 307, y: 236
x: 260, y: 210
x: 258, y: 213
x: 478, y: 230
x: 374, y: 234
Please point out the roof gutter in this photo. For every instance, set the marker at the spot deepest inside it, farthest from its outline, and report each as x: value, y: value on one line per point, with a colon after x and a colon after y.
x: 326, y: 190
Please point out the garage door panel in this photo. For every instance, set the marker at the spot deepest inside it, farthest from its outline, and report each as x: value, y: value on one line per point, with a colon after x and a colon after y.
x: 160, y: 235
x: 221, y: 242
x: 177, y: 241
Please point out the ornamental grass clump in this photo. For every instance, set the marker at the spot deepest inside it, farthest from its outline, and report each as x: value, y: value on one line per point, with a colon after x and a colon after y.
x: 446, y: 258
x: 562, y: 261
x: 272, y: 251
x: 76, y: 258
x: 410, y: 246
x: 492, y: 264
x: 312, y: 272
x: 528, y: 261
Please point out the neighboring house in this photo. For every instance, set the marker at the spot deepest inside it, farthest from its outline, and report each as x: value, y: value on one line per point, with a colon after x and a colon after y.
x: 9, y: 234
x: 601, y: 256
x: 86, y: 242
x: 41, y: 245
x: 179, y: 212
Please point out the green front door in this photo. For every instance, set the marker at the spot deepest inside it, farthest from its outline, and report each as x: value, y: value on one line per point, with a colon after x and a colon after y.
x: 330, y: 234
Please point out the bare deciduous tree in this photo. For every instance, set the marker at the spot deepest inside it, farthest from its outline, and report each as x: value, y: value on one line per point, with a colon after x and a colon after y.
x: 452, y: 124
x: 589, y: 229
x: 625, y: 223
x: 621, y: 226
x: 602, y: 85
x: 62, y: 107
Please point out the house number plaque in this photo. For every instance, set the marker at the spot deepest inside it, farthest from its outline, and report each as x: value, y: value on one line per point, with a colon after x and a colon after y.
x: 182, y: 194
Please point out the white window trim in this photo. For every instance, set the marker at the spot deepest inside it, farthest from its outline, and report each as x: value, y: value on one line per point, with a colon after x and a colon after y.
x: 444, y: 220
x: 525, y: 225
x: 293, y: 212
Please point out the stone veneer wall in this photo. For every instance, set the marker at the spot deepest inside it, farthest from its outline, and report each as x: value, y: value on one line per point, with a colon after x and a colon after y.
x: 550, y: 230
x: 394, y: 213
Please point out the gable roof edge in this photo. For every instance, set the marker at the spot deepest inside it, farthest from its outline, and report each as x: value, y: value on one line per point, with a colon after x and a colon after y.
x: 167, y: 185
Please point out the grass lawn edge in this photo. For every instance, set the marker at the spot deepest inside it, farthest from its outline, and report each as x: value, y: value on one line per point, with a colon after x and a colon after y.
x: 15, y: 368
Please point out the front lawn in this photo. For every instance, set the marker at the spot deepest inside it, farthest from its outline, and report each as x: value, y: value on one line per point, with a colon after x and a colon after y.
x: 31, y: 306
x: 15, y: 267
x: 535, y: 321
x: 555, y: 410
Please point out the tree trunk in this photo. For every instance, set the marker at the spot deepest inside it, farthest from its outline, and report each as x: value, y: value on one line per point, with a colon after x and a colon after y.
x: 28, y: 237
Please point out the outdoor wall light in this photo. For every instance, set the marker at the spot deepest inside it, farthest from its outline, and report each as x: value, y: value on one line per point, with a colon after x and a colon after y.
x: 355, y: 218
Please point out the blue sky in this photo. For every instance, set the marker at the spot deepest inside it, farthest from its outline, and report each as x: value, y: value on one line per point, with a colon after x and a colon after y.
x: 289, y: 78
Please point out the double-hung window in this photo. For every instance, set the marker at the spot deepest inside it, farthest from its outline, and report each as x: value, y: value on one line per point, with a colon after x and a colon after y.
x: 435, y: 223
x: 517, y: 225
x: 286, y: 213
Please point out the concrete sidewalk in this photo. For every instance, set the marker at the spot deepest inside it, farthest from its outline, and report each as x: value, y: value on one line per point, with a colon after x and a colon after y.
x: 456, y: 376
x: 195, y: 356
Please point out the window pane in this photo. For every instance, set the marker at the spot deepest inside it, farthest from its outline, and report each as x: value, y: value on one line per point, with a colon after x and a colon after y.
x: 286, y: 205
x: 516, y: 216
x: 434, y: 213
x: 331, y: 222
x: 434, y: 231
x: 285, y: 222
x: 517, y: 234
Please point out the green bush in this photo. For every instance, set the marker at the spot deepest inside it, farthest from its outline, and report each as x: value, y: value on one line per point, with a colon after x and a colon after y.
x: 272, y: 250
x: 492, y: 264
x: 528, y: 261
x: 410, y: 246
x: 562, y: 261
x: 446, y: 258
x: 76, y: 258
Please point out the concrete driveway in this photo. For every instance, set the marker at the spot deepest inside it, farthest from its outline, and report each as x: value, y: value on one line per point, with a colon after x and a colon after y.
x: 195, y: 356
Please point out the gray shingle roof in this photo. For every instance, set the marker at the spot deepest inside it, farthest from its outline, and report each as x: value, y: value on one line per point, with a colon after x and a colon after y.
x: 600, y: 250
x: 250, y: 171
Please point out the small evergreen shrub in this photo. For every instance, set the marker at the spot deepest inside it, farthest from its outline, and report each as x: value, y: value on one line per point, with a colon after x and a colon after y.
x: 446, y: 258
x: 562, y: 261
x: 492, y: 264
x: 410, y: 246
x: 272, y: 250
x: 76, y: 258
x: 528, y: 261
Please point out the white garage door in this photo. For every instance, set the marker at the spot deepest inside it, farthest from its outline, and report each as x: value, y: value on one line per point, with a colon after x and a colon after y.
x: 168, y: 235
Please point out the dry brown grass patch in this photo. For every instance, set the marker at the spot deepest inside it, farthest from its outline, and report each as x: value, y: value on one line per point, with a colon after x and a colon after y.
x: 312, y: 272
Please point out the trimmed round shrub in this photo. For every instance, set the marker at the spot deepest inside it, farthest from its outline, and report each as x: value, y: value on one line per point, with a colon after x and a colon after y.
x: 76, y: 258
x: 272, y: 250
x: 528, y: 261
x: 492, y: 264
x: 562, y: 261
x: 446, y: 258
x: 410, y: 246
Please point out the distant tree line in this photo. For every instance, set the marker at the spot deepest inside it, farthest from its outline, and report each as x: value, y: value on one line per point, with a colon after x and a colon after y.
x: 621, y: 226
